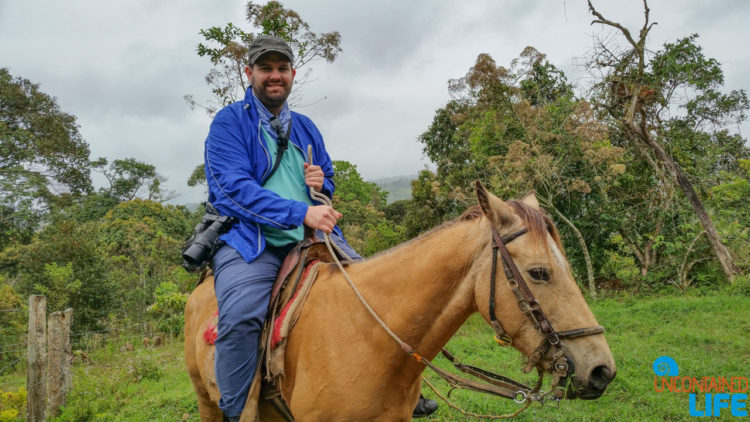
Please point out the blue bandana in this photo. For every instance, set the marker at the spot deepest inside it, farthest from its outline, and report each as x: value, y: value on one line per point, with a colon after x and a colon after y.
x: 265, y: 116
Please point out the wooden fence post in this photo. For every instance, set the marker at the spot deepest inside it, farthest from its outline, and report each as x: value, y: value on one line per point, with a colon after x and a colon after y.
x: 59, y: 378
x: 36, y: 380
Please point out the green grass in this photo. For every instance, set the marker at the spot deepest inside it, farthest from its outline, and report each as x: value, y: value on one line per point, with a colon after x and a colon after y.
x: 141, y: 385
x: 145, y: 384
x: 706, y: 335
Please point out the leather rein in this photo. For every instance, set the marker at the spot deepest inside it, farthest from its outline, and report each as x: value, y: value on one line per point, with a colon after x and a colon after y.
x: 491, y: 383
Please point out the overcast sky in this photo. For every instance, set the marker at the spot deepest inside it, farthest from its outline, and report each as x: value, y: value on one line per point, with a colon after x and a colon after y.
x: 123, y: 67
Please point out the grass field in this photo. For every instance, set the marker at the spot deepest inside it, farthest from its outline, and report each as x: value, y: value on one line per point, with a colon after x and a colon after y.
x: 706, y: 335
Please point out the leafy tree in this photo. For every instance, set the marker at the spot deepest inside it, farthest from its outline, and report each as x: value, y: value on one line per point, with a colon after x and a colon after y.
x: 640, y: 96
x: 364, y: 223
x: 130, y: 179
x: 731, y: 198
x: 66, y: 261
x: 430, y: 205
x: 144, y: 239
x: 396, y: 211
x: 198, y: 176
x: 12, y: 319
x: 59, y: 285
x: 350, y: 186
x: 43, y: 158
x: 227, y: 49
x: 519, y: 129
x: 169, y: 308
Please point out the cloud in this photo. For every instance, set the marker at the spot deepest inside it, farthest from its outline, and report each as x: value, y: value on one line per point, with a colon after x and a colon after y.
x: 122, y: 67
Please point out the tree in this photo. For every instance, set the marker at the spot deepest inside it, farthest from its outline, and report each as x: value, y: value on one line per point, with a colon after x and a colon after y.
x: 143, y: 239
x: 432, y: 203
x: 640, y: 96
x: 362, y: 203
x: 520, y: 129
x: 130, y: 179
x: 169, y: 308
x: 227, y: 49
x: 350, y: 186
x: 12, y: 320
x: 197, y: 177
x: 731, y: 197
x: 43, y: 158
x: 67, y: 261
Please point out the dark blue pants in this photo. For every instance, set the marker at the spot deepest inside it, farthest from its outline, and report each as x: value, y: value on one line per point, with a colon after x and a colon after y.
x: 243, y: 291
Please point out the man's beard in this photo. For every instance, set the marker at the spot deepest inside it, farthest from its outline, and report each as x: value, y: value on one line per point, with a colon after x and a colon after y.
x: 270, y: 101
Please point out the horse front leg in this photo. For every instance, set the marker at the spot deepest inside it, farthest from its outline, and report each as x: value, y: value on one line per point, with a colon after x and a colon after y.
x: 208, y: 410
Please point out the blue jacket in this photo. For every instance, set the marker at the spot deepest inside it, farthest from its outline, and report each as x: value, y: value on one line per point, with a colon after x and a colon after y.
x: 237, y: 162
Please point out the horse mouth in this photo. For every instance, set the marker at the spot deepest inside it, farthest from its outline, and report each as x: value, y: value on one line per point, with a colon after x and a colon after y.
x: 583, y: 394
x: 597, y: 383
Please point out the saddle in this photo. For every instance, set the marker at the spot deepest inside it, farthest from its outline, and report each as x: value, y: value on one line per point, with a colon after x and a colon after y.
x: 290, y: 290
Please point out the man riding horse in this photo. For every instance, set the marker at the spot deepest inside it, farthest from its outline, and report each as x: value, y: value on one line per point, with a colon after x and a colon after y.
x: 257, y: 172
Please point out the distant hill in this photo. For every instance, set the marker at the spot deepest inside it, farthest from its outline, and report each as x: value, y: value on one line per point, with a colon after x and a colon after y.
x: 398, y: 187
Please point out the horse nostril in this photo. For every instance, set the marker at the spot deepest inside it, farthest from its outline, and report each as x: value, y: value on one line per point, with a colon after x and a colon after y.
x: 601, y: 377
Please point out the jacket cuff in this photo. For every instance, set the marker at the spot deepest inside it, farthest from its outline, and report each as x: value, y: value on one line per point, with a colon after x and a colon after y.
x: 297, y: 213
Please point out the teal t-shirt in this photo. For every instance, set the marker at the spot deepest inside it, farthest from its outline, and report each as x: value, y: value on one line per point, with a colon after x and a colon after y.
x: 288, y: 182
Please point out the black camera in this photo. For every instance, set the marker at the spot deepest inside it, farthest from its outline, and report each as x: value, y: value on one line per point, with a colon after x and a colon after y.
x: 200, y: 246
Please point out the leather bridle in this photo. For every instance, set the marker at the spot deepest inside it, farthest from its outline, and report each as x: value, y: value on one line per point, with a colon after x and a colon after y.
x: 528, y: 304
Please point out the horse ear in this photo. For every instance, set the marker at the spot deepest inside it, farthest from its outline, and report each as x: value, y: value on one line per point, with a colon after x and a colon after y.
x: 497, y: 211
x: 531, y: 200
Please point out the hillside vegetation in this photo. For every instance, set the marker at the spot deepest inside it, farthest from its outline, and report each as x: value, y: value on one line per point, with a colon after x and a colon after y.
x: 152, y: 383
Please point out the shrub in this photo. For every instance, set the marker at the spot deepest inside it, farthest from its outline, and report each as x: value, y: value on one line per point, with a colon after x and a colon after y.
x: 144, y: 369
x: 12, y: 405
x: 741, y: 286
x: 168, y: 308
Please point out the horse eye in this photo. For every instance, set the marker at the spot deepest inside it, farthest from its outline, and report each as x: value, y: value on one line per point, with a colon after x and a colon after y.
x: 540, y: 274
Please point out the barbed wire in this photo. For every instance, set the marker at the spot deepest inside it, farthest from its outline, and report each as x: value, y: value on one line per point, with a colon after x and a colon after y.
x: 121, y: 337
x: 7, y: 346
x: 9, y: 365
x: 12, y: 310
x: 107, y: 330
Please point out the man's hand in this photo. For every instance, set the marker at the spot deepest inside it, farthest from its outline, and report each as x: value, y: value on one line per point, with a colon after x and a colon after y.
x: 314, y: 176
x: 322, y: 217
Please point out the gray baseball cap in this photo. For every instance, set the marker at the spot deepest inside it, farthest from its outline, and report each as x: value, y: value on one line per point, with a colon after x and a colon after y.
x: 265, y: 44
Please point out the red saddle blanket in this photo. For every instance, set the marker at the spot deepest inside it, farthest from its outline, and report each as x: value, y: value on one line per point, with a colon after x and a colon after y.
x: 277, y: 335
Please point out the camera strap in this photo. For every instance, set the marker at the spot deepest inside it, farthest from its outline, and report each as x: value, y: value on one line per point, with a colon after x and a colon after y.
x: 283, y: 143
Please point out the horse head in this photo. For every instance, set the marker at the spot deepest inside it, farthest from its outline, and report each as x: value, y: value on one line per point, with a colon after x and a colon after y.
x: 543, y: 314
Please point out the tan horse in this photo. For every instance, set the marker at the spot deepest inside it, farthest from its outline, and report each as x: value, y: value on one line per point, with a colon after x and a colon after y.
x: 342, y: 366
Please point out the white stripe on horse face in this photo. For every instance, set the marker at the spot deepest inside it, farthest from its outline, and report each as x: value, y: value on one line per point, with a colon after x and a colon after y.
x: 559, y: 258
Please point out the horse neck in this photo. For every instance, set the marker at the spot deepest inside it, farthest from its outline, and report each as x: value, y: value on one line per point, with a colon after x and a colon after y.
x: 421, y: 288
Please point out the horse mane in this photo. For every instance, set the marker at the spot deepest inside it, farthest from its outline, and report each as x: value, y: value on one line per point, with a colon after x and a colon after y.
x: 537, y: 222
